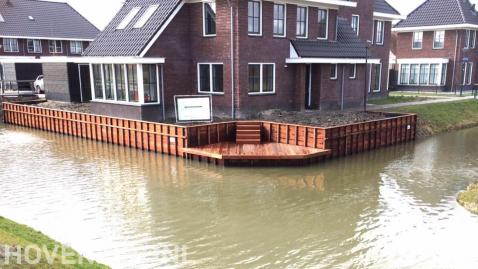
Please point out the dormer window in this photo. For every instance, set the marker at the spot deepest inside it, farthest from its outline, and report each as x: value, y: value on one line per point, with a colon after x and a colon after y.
x: 209, y: 18
x: 132, y: 13
x: 146, y: 16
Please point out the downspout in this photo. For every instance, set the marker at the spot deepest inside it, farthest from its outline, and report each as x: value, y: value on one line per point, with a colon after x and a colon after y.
x: 454, y: 63
x: 342, y: 88
x: 162, y: 93
x: 233, y: 107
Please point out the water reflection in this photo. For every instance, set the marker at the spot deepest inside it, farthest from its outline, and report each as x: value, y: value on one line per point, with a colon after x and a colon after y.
x: 125, y: 207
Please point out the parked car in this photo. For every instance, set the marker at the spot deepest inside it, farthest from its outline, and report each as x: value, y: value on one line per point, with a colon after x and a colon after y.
x: 38, y: 85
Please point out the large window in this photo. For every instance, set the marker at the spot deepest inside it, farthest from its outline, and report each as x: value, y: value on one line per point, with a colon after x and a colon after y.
x: 424, y: 71
x: 261, y: 78
x: 210, y: 78
x: 97, y: 81
x: 423, y: 74
x: 150, y: 83
x: 55, y: 46
x: 108, y: 81
x: 323, y: 23
x: 470, y: 39
x: 254, y: 19
x: 10, y: 45
x: 279, y: 20
x: 417, y: 40
x: 209, y: 18
x: 127, y: 83
x: 379, y: 32
x: 301, y: 28
x: 120, y: 82
x: 76, y: 47
x: 34, y: 46
x: 404, y: 74
x: 356, y: 23
x: 414, y: 74
x: 132, y: 76
x: 467, y: 71
x: 376, y: 77
x: 439, y: 40
x: 434, y: 74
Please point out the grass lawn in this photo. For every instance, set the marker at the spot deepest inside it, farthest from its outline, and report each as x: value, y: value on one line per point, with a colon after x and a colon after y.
x: 20, y: 236
x: 443, y: 117
x: 469, y: 198
x: 396, y: 99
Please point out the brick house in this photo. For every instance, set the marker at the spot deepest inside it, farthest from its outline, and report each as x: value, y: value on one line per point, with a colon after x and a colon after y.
x: 249, y: 55
x: 436, y: 47
x: 43, y: 38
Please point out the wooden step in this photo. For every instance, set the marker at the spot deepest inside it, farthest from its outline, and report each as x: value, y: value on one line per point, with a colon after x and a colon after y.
x: 248, y: 141
x: 245, y: 132
x: 249, y: 136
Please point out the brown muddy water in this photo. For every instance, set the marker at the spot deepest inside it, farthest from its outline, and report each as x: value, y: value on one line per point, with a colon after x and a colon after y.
x: 391, y: 208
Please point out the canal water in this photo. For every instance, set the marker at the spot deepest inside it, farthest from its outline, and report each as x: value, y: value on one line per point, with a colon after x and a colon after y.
x: 391, y: 208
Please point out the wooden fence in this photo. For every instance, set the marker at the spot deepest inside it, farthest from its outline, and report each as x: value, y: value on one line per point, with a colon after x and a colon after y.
x: 172, y: 139
x: 157, y: 137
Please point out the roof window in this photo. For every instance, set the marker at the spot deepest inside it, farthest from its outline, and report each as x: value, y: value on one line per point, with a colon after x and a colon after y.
x: 132, y: 13
x: 146, y: 16
x: 31, y: 18
x: 1, y: 18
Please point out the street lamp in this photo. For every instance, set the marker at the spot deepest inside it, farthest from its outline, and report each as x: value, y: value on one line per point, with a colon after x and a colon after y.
x: 365, y: 93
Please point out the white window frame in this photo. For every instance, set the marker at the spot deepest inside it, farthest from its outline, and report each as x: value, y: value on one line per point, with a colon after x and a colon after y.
x: 382, y: 32
x: 55, y: 46
x: 358, y: 22
x: 76, y: 42
x: 400, y: 75
x: 36, y: 49
x: 306, y: 23
x: 326, y: 24
x: 10, y: 42
x: 128, y: 18
x: 141, y: 22
x: 336, y: 69
x: 435, y: 38
x: 468, y: 76
x: 379, y: 81
x: 139, y: 71
x: 210, y: 64
x: 204, y: 19
x: 419, y: 33
x: 430, y: 75
x: 285, y: 19
x: 355, y: 72
x: 260, y: 18
x: 261, y: 79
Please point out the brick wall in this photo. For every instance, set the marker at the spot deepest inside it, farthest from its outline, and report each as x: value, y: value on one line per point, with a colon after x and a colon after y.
x: 23, y: 49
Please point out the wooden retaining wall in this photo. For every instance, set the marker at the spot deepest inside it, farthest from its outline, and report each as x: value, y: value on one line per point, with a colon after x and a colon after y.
x: 161, y: 138
x: 172, y: 139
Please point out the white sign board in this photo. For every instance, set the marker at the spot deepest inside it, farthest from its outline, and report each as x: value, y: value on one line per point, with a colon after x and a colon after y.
x: 193, y: 108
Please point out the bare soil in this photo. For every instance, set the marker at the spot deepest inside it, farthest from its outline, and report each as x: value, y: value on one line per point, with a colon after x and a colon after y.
x: 74, y: 107
x: 319, y: 118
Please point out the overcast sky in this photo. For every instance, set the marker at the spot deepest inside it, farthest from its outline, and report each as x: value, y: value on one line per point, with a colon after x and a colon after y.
x: 100, y: 12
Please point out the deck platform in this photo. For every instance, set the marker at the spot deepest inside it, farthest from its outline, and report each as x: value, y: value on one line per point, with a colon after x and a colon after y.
x: 268, y: 154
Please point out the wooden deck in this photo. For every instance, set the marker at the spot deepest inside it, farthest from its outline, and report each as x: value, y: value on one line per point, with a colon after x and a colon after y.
x: 232, y: 154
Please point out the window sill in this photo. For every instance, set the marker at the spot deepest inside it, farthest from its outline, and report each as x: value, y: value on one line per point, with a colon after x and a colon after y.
x: 254, y: 35
x: 322, y: 38
x: 124, y: 103
x: 260, y: 93
x: 280, y: 36
x: 302, y: 37
x: 208, y: 36
x: 211, y: 93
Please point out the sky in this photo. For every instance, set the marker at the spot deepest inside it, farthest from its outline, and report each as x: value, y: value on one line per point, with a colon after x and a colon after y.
x: 105, y: 10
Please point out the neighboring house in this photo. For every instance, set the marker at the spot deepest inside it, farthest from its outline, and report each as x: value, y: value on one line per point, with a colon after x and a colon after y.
x: 43, y: 38
x: 436, y: 47
x: 291, y: 55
